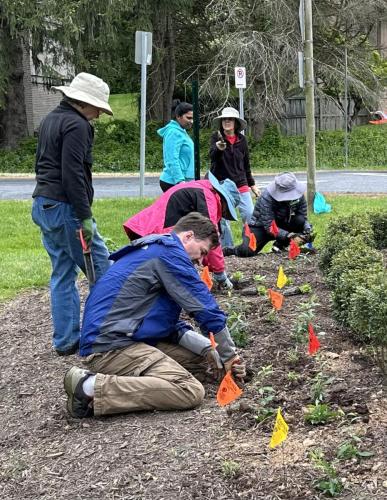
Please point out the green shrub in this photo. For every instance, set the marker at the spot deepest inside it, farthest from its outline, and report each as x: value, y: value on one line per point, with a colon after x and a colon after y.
x: 367, y: 315
x: 340, y: 233
x: 357, y: 255
x: 347, y: 285
x: 378, y: 222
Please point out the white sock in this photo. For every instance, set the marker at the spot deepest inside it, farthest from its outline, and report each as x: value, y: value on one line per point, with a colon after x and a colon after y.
x: 88, y: 386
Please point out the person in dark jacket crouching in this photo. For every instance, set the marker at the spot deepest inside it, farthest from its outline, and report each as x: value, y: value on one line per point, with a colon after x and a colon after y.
x: 141, y: 356
x: 63, y: 198
x: 280, y: 214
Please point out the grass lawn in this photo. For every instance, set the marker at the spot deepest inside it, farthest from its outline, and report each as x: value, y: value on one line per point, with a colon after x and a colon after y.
x: 24, y: 262
x: 124, y: 106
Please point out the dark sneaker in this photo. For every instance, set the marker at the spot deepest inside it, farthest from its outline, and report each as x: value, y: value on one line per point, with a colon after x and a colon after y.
x: 227, y: 251
x: 68, y: 352
x: 79, y: 405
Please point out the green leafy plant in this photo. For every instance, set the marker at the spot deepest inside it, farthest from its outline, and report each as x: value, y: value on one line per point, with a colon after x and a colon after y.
x: 289, y: 281
x: 237, y: 276
x: 293, y: 376
x: 258, y: 278
x: 306, y: 315
x: 350, y: 449
x: 266, y: 394
x: 319, y: 386
x: 293, y: 356
x: 230, y: 468
x: 272, y: 316
x: 321, y: 413
x: 237, y: 322
x: 261, y: 290
x: 305, y: 288
x: 330, y: 484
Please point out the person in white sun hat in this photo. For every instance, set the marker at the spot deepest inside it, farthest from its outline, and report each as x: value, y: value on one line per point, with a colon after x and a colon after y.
x: 63, y: 198
x: 229, y: 154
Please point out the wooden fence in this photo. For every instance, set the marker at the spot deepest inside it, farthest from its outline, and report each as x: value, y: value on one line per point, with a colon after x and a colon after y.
x: 327, y: 116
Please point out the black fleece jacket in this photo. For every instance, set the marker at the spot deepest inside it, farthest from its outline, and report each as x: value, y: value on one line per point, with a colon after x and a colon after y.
x: 63, y: 159
x: 232, y: 163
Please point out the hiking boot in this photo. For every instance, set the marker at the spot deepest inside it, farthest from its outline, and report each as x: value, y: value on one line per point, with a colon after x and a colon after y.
x: 79, y: 405
x: 68, y: 352
x: 227, y: 251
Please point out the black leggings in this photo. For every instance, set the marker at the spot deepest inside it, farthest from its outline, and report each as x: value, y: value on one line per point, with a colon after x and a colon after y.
x: 165, y: 186
x: 296, y: 225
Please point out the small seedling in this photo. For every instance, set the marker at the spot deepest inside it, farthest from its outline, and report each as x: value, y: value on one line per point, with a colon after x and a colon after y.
x: 320, y: 384
x: 258, y: 278
x: 330, y: 484
x: 272, y: 316
x: 289, y: 281
x: 261, y: 290
x: 293, y: 356
x: 306, y: 316
x: 321, y: 413
x: 266, y: 394
x: 306, y: 288
x: 237, y: 325
x: 237, y: 276
x: 293, y: 376
x: 349, y: 449
x: 230, y: 468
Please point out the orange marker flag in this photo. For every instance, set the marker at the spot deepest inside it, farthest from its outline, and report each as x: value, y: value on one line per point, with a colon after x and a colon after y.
x: 206, y: 278
x: 294, y: 250
x: 274, y: 229
x: 228, y: 391
x: 314, y: 343
x: 252, y: 238
x: 276, y: 299
x: 212, y: 340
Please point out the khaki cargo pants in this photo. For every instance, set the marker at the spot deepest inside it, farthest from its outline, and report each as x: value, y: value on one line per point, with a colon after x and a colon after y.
x: 142, y: 377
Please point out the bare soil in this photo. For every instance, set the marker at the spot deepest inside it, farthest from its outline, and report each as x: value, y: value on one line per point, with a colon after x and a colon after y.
x: 191, y: 455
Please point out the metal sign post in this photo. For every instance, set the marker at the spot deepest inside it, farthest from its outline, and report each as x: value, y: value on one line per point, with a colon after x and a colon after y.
x: 240, y: 83
x: 143, y: 56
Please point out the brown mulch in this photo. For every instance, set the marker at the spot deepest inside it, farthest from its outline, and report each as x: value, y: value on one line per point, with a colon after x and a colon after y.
x: 188, y: 455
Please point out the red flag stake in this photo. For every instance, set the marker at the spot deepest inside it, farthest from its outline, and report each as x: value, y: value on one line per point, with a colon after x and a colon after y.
x: 314, y: 343
x: 274, y: 229
x: 294, y: 250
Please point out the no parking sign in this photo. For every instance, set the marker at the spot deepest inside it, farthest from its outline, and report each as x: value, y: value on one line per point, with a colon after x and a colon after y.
x: 240, y: 77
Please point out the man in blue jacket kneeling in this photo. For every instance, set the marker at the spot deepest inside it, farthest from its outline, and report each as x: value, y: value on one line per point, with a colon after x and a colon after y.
x: 138, y: 353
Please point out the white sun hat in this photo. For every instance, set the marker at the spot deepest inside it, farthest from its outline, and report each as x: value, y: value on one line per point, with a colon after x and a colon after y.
x: 230, y: 113
x: 90, y: 89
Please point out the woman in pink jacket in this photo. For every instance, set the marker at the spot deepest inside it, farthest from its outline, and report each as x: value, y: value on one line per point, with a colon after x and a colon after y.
x: 209, y: 197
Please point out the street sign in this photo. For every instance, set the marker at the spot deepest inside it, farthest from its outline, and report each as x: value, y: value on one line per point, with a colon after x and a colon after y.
x: 143, y: 44
x: 240, y: 77
x: 301, y: 69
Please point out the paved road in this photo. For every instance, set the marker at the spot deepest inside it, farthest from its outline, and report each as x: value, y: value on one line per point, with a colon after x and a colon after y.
x: 126, y: 186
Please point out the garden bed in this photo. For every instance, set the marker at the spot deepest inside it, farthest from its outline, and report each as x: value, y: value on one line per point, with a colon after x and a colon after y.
x: 210, y: 452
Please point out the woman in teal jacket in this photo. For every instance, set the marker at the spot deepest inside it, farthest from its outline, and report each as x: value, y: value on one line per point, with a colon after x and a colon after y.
x: 178, y: 147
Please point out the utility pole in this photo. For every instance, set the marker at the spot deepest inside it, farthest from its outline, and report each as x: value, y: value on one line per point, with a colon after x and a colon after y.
x: 309, y: 104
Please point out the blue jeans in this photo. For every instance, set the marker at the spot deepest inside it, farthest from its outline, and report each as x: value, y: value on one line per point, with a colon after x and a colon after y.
x: 58, y: 225
x: 246, y: 208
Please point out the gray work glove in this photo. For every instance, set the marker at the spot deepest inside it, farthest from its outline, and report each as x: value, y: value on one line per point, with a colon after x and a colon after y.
x: 215, y: 365
x: 222, y: 281
x: 237, y: 367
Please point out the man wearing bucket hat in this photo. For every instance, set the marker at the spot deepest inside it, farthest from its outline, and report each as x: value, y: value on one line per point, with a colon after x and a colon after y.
x: 63, y: 197
x: 209, y: 197
x: 229, y: 155
x: 282, y: 202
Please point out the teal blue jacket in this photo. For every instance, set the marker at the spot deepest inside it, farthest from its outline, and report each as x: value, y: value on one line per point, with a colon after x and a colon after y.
x: 178, y: 154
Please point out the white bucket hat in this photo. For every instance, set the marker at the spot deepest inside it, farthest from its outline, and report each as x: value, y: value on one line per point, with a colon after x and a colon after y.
x: 286, y: 187
x: 230, y: 113
x: 90, y: 89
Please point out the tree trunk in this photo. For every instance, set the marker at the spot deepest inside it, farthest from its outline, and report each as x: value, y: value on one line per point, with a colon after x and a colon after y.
x: 162, y: 76
x: 13, y: 118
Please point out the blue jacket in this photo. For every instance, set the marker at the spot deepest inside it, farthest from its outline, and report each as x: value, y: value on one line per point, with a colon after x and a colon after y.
x: 178, y: 154
x: 141, y: 296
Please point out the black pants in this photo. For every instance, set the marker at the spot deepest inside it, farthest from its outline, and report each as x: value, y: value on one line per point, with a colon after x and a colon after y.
x: 296, y: 225
x: 165, y: 186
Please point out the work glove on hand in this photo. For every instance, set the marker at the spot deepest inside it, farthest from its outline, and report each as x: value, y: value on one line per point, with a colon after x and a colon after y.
x: 222, y: 281
x: 221, y: 144
x: 88, y: 230
x: 255, y: 191
x: 237, y: 367
x: 297, y: 238
x: 215, y: 365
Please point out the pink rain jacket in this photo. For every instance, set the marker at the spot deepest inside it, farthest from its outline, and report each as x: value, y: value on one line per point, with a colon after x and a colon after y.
x: 180, y: 200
